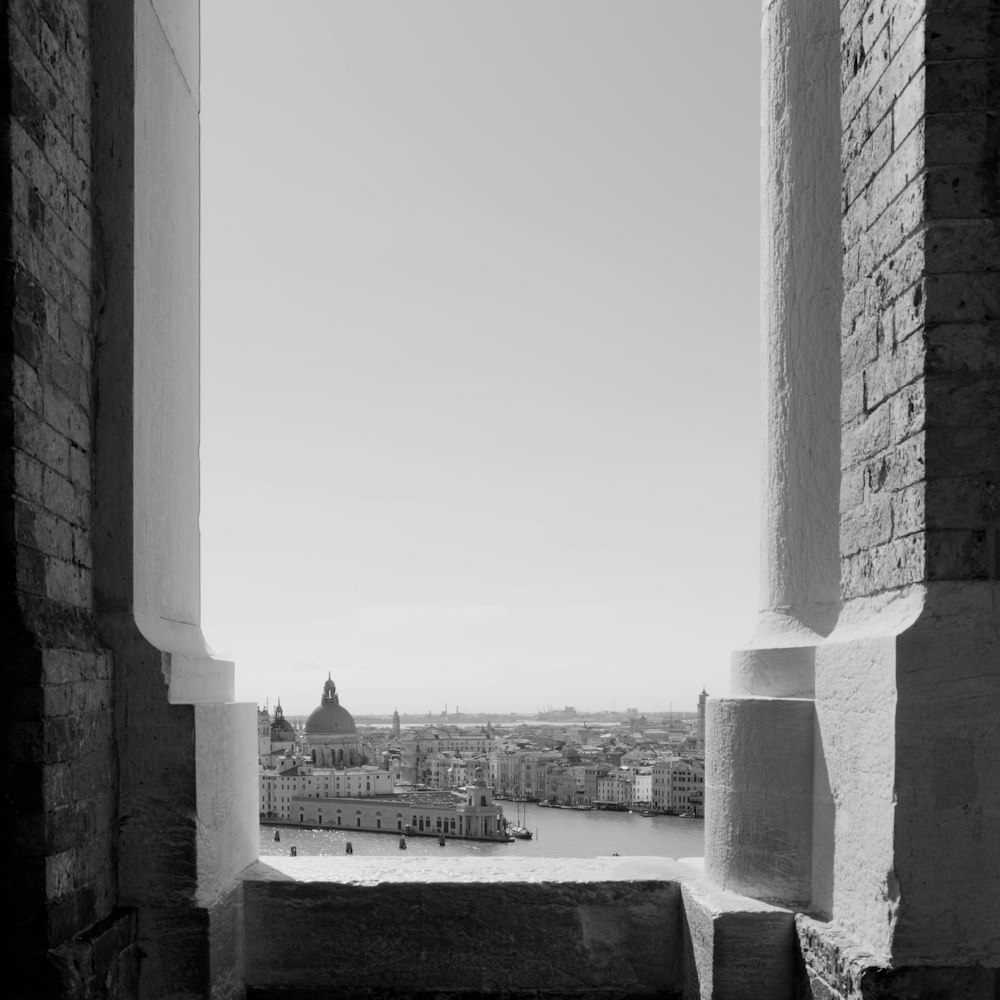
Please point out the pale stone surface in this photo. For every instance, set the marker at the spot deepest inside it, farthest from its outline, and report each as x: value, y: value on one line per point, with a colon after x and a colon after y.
x: 800, y: 295
x: 758, y: 787
x: 409, y: 926
x: 353, y: 870
x: 166, y: 347
x: 179, y: 20
x: 736, y: 948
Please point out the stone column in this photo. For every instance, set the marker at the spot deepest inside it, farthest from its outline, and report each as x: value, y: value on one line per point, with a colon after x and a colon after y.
x: 759, y: 781
x: 187, y: 789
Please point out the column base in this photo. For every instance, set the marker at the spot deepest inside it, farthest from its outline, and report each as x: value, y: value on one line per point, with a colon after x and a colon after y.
x: 833, y: 967
x: 736, y: 947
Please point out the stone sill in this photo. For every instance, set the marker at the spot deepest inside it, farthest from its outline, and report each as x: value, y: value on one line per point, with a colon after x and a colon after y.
x: 350, y: 869
x: 364, y: 926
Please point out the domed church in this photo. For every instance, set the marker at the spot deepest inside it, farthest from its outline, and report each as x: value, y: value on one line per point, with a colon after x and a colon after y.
x: 331, y: 735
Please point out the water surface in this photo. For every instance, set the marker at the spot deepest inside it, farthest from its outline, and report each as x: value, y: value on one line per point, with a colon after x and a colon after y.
x: 559, y: 833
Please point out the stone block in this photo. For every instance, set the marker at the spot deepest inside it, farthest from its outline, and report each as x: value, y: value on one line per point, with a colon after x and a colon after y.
x: 605, y: 927
x: 735, y: 947
x: 758, y: 796
x: 835, y: 967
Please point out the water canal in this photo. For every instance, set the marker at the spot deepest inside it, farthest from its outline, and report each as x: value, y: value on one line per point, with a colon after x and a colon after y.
x: 560, y: 833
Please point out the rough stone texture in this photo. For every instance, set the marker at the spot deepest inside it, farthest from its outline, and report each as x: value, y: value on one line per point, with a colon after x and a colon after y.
x: 921, y: 449
x: 59, y: 761
x: 758, y: 784
x: 905, y: 784
x: 390, y: 927
x: 735, y: 947
x: 127, y: 817
x: 833, y: 967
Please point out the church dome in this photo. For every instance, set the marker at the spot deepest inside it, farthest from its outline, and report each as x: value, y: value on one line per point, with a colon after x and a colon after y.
x: 331, y: 718
x: 281, y: 728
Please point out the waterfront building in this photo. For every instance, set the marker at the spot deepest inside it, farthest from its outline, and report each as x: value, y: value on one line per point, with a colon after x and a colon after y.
x: 417, y: 751
x: 879, y: 303
x: 615, y: 789
x: 677, y: 785
x: 642, y: 787
x: 468, y: 812
x: 521, y: 773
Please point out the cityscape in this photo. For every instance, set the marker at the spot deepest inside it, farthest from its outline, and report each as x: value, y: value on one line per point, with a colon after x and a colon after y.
x: 451, y: 776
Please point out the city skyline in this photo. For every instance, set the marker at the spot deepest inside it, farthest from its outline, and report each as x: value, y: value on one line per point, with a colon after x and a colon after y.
x: 503, y: 245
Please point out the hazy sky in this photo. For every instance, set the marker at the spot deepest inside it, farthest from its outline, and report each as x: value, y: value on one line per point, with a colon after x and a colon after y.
x: 479, y: 326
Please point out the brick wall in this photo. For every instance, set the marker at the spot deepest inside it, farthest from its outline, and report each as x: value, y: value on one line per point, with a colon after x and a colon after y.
x: 920, y: 293
x: 60, y: 804
x: 959, y: 299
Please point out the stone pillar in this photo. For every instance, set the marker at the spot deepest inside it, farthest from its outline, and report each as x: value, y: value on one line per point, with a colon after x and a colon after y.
x: 888, y: 836
x: 759, y: 800
x: 187, y: 786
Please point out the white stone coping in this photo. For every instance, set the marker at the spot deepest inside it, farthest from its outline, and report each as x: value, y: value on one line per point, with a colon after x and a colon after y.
x: 345, y: 869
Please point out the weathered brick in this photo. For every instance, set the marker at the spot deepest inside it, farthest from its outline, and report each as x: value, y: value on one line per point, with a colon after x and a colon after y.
x: 958, y: 191
x: 852, y: 398
x: 63, y: 498
x: 865, y: 439
x: 37, y: 528
x: 866, y: 526
x: 67, y: 582
x: 899, y: 467
x: 958, y: 137
x: 962, y: 298
x: 896, y: 564
x: 27, y: 387
x: 909, y: 312
x: 965, y: 348
x: 903, y: 168
x: 891, y: 372
x: 79, y: 697
x: 861, y: 348
x: 82, y: 548
x: 852, y: 490
x: 957, y: 555
x: 964, y: 502
x: 65, y: 666
x: 958, y: 34
x: 59, y: 872
x: 962, y: 246
x: 66, y: 417
x: 909, y: 510
x: 909, y: 408
x: 29, y: 477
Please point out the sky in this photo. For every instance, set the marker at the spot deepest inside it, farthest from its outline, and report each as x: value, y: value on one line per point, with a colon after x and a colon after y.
x: 480, y: 397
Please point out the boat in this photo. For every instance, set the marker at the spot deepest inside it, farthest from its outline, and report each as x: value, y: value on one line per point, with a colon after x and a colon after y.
x: 518, y: 829
x: 646, y: 812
